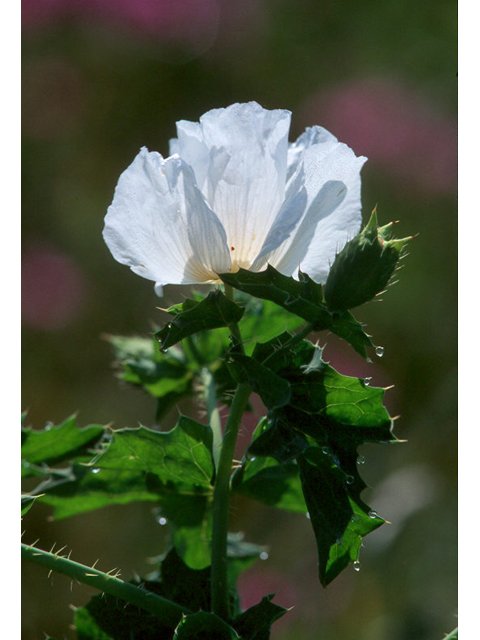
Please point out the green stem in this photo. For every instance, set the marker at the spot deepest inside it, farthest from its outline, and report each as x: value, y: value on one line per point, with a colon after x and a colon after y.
x: 221, y: 495
x: 219, y: 575
x: 169, y: 612
x: 213, y: 413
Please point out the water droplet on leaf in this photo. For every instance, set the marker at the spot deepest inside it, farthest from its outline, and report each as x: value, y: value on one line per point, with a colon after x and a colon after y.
x: 361, y: 460
x: 95, y: 470
x: 326, y: 451
x: 349, y: 479
x: 379, y: 351
x: 264, y: 555
x: 356, y: 565
x: 366, y: 381
x: 307, y: 515
x: 163, y: 521
x: 372, y: 514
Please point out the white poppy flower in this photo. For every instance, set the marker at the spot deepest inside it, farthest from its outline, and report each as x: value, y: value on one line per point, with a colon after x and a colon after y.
x: 235, y: 194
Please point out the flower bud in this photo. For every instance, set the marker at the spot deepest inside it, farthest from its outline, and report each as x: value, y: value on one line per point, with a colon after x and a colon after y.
x: 364, y: 266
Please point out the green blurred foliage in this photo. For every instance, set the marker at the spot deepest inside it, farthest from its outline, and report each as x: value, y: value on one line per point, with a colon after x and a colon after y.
x: 95, y: 90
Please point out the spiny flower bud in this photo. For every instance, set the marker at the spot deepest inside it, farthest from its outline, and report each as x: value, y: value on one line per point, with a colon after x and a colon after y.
x: 364, y: 266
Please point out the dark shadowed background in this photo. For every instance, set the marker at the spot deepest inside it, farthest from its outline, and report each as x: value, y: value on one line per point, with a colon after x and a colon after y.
x: 101, y: 78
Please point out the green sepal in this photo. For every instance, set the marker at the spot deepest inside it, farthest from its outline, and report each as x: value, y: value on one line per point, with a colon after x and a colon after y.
x: 302, y: 297
x: 364, y: 267
x: 192, y: 316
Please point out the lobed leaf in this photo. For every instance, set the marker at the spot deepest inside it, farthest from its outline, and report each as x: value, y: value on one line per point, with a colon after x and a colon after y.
x: 302, y: 297
x: 214, y: 311
x: 55, y: 444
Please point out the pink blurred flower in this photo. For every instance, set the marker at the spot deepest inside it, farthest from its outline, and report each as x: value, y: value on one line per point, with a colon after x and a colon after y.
x: 191, y: 24
x: 53, y: 288
x: 396, y: 128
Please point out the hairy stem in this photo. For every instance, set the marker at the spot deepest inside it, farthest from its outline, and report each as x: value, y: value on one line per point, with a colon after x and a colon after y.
x: 169, y: 612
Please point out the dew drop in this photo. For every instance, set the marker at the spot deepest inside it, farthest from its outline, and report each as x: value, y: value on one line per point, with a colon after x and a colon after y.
x: 354, y: 519
x: 379, y: 351
x: 349, y: 479
x: 326, y: 451
x: 361, y: 460
x: 252, y: 459
x: 163, y: 521
x: 372, y: 514
x: 356, y: 565
x: 307, y: 515
x: 95, y: 470
x: 264, y: 555
x: 366, y: 381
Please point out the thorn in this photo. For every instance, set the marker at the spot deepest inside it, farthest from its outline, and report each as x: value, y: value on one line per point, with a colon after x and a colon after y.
x: 95, y: 563
x: 53, y: 546
x: 49, y: 573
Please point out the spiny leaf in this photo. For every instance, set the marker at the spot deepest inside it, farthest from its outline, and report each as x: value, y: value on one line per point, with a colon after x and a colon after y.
x: 215, y: 311
x: 303, y: 298
x: 55, y: 444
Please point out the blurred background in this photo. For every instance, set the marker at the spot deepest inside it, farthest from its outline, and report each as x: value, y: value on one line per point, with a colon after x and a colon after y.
x: 101, y: 78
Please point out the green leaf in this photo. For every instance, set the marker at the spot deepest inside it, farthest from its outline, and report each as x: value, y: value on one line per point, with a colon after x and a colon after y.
x: 263, y: 320
x: 167, y: 377
x: 215, y: 311
x: 273, y: 390
x: 453, y: 635
x: 364, y: 267
x: 255, y: 623
x: 204, y: 626
x: 55, y: 444
x: 303, y: 457
x: 338, y: 521
x: 275, y: 484
x: 304, y: 298
x: 174, y: 469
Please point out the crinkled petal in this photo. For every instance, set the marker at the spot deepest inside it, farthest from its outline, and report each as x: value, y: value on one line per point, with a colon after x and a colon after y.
x: 292, y: 254
x: 239, y: 156
x: 288, y: 218
x: 147, y: 224
x: 333, y: 214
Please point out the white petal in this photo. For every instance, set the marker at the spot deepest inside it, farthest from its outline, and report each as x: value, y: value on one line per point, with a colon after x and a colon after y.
x: 292, y: 254
x: 147, y: 224
x: 239, y: 155
x: 329, y: 227
x: 290, y: 214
